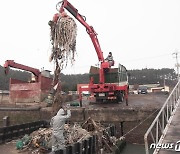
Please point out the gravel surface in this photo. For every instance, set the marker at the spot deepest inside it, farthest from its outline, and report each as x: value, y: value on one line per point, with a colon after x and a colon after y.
x: 136, y: 101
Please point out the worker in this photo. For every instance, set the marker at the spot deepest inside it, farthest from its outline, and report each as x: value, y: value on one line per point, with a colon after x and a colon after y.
x: 57, y: 123
x: 110, y: 59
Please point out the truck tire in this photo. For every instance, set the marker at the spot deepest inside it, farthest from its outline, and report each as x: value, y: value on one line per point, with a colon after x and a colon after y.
x: 121, y: 96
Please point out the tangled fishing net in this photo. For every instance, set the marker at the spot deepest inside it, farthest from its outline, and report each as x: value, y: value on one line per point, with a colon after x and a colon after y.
x: 63, y: 39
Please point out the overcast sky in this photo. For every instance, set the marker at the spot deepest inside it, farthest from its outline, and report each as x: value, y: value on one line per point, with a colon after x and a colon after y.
x: 139, y: 33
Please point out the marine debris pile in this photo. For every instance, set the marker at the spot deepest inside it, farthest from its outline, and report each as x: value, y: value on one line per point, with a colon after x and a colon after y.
x: 39, y: 141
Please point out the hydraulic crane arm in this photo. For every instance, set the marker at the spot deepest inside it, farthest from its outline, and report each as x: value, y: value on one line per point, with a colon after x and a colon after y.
x: 89, y: 29
x: 11, y: 63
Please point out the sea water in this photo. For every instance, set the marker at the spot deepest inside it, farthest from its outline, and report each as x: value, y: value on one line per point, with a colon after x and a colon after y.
x: 134, y: 149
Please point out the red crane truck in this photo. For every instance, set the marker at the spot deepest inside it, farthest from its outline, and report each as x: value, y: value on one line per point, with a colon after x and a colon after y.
x: 103, y: 91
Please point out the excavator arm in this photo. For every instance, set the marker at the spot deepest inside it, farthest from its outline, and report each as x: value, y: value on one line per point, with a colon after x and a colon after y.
x: 11, y: 63
x: 90, y: 30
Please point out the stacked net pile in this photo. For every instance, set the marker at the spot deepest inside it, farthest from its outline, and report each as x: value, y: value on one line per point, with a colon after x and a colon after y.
x: 39, y: 141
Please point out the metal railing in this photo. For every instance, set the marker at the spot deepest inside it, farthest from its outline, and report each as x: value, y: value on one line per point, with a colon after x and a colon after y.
x: 161, y: 123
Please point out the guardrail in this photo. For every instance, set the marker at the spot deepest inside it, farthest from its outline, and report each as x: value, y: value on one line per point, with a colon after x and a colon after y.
x: 161, y: 123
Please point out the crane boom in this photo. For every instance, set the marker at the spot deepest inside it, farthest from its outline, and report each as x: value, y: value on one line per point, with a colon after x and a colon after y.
x: 90, y: 30
x: 101, y: 90
x: 11, y: 63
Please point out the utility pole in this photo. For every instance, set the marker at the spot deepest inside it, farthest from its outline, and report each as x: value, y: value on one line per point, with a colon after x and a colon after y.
x: 177, y: 63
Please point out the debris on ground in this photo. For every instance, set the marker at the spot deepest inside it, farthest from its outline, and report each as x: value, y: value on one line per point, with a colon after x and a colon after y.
x: 105, y: 141
x: 75, y: 134
x: 39, y: 141
x: 20, y: 144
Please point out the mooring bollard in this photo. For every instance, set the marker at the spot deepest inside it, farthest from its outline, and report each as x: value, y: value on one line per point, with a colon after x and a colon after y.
x: 5, y: 121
